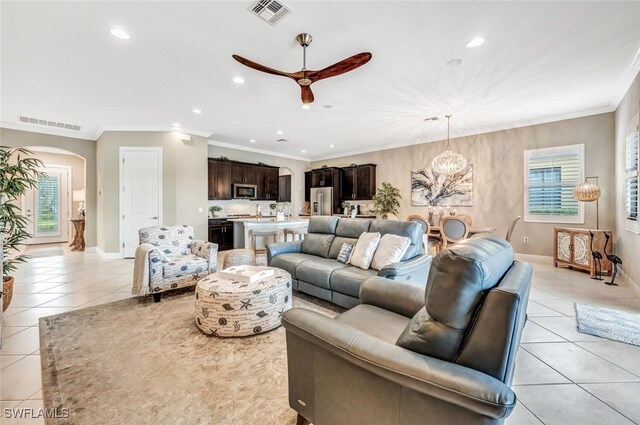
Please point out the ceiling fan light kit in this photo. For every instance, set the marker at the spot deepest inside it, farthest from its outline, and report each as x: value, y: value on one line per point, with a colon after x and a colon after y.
x: 448, y: 162
x: 305, y: 77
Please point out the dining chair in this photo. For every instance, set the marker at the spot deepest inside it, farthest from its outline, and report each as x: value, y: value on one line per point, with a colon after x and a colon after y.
x: 453, y: 229
x: 466, y: 217
x: 511, y: 227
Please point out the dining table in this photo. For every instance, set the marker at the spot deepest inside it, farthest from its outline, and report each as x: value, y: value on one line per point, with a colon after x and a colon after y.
x: 473, y: 230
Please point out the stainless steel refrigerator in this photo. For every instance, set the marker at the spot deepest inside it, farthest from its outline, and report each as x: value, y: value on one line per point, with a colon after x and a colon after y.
x: 321, y: 201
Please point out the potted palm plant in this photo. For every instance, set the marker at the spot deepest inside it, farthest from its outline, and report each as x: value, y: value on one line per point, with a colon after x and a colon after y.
x: 386, y: 200
x: 18, y: 173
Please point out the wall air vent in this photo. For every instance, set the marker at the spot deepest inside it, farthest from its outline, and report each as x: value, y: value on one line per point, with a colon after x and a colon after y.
x: 282, y: 140
x: 37, y: 121
x: 270, y: 11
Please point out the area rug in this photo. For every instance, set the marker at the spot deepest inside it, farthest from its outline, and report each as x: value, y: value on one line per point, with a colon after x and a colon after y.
x: 617, y: 325
x: 138, y: 362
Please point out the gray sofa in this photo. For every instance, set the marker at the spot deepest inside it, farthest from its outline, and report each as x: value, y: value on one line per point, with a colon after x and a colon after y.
x: 314, y: 269
x: 409, y: 354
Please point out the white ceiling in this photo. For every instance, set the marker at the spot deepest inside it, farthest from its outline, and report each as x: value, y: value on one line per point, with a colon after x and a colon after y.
x: 543, y: 61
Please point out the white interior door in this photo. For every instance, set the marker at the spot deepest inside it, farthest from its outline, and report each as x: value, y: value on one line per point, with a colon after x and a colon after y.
x: 47, y: 207
x: 141, y: 194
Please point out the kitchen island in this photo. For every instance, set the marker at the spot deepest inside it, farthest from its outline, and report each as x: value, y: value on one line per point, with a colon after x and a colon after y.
x: 242, y: 228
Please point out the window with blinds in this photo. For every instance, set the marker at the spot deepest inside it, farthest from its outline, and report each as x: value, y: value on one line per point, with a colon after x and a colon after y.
x: 550, y: 176
x: 631, y: 180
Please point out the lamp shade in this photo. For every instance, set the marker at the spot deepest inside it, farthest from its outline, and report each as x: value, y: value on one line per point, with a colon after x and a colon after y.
x: 586, y: 192
x: 449, y: 163
x: 78, y: 195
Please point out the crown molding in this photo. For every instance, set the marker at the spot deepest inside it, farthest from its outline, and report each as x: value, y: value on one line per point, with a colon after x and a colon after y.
x: 47, y: 130
x: 256, y: 150
x: 169, y: 129
x: 626, y: 81
x: 548, y: 120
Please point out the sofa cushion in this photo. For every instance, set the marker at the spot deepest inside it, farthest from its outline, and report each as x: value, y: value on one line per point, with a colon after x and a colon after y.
x: 458, y: 281
x: 345, y: 253
x: 323, y: 224
x: 289, y: 261
x: 171, y: 240
x: 349, y: 279
x: 337, y: 243
x: 184, y: 265
x: 390, y: 250
x: 318, y: 271
x: 409, y: 229
x: 352, y: 227
x: 317, y: 244
x: 365, y: 249
x: 375, y: 321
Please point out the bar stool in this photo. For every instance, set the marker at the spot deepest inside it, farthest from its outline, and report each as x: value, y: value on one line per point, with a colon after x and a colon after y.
x: 262, y: 234
x: 296, y: 231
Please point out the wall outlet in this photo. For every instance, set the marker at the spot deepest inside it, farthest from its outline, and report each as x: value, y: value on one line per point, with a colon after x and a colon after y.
x: 525, y: 239
x: 200, y: 210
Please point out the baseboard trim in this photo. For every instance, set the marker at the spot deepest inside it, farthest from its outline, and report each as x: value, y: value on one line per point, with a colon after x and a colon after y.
x: 632, y: 284
x: 91, y: 249
x: 109, y: 255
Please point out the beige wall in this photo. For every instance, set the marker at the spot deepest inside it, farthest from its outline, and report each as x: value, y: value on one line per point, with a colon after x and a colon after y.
x: 296, y: 167
x: 499, y: 173
x: 627, y: 243
x: 83, y: 148
x: 184, y: 181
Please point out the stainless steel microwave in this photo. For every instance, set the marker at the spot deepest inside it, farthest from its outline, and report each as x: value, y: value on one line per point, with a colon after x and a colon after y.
x: 245, y: 191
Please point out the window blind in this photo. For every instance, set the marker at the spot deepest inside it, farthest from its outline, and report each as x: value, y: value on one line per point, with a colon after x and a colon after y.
x: 631, y: 180
x: 550, y: 176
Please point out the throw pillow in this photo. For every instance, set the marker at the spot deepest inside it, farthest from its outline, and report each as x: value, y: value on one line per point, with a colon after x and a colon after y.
x: 345, y: 253
x: 390, y: 250
x: 365, y: 249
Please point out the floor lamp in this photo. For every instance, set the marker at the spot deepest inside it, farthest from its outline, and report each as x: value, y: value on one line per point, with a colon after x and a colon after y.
x: 589, y: 192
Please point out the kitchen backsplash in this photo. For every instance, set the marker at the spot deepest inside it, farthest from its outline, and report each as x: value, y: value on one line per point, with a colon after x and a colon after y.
x: 240, y: 206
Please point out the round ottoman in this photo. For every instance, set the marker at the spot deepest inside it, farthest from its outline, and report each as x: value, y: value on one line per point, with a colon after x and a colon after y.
x: 229, y: 308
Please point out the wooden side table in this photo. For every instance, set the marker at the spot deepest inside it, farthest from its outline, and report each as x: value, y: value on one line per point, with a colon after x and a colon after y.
x: 78, y: 239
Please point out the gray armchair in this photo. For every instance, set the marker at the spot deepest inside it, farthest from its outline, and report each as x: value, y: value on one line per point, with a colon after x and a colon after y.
x: 407, y: 354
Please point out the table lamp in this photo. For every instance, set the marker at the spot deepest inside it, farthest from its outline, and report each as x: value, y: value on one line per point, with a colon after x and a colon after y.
x: 79, y: 196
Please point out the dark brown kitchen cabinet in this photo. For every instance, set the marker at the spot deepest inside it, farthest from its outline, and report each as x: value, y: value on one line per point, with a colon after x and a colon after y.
x: 221, y: 233
x: 358, y: 183
x: 219, y: 179
x: 284, y: 188
x: 266, y: 178
x: 307, y: 186
x: 325, y: 177
x: 261, y: 178
x: 272, y: 184
x: 243, y: 173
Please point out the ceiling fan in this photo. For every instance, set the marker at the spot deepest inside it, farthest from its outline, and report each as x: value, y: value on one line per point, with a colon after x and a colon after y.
x: 306, y: 77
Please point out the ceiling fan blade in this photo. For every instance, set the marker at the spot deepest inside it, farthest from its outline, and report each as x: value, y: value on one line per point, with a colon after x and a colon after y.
x: 307, y: 94
x: 345, y: 65
x: 259, y: 67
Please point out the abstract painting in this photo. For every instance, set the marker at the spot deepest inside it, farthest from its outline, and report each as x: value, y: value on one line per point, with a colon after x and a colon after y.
x: 429, y: 188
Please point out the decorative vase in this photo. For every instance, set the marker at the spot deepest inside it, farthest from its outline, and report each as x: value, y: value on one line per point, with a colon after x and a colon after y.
x: 7, y: 291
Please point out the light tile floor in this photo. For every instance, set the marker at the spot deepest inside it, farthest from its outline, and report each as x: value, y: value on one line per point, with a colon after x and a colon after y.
x: 562, y: 376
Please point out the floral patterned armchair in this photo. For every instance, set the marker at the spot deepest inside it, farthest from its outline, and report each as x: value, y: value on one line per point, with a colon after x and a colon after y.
x: 175, y: 259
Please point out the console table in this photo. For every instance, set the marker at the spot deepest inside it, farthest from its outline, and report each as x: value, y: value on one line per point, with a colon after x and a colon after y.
x: 78, y: 239
x: 572, y: 248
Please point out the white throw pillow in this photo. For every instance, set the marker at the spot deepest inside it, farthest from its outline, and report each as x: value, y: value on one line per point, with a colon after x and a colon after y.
x: 390, y: 250
x: 364, y: 250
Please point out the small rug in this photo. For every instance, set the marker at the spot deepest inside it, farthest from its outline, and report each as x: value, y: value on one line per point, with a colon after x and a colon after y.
x: 608, y: 323
x: 138, y: 362
x: 42, y: 252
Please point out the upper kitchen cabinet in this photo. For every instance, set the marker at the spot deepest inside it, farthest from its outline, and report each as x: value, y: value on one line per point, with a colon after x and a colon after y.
x: 266, y: 179
x: 358, y: 182
x: 219, y: 175
x: 307, y: 186
x: 243, y: 173
x: 325, y: 177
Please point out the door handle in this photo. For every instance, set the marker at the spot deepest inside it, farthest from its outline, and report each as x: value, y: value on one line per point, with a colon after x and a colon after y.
x: 153, y: 218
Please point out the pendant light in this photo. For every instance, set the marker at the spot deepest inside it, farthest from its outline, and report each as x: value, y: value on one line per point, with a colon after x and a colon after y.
x: 448, y: 162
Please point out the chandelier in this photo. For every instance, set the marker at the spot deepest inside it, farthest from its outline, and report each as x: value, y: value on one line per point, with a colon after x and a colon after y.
x: 448, y: 162
x: 589, y: 192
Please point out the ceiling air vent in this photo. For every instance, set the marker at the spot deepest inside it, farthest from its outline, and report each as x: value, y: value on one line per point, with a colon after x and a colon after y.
x: 65, y: 126
x: 270, y: 11
x: 282, y: 140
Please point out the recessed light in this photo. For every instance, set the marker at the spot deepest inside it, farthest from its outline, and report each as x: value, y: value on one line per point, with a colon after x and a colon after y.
x: 121, y: 34
x: 454, y: 62
x: 279, y: 132
x: 332, y: 146
x: 306, y: 106
x: 238, y: 80
x: 176, y: 124
x: 197, y: 111
x: 475, y: 42
x: 303, y: 151
x: 327, y: 106
x: 252, y: 141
